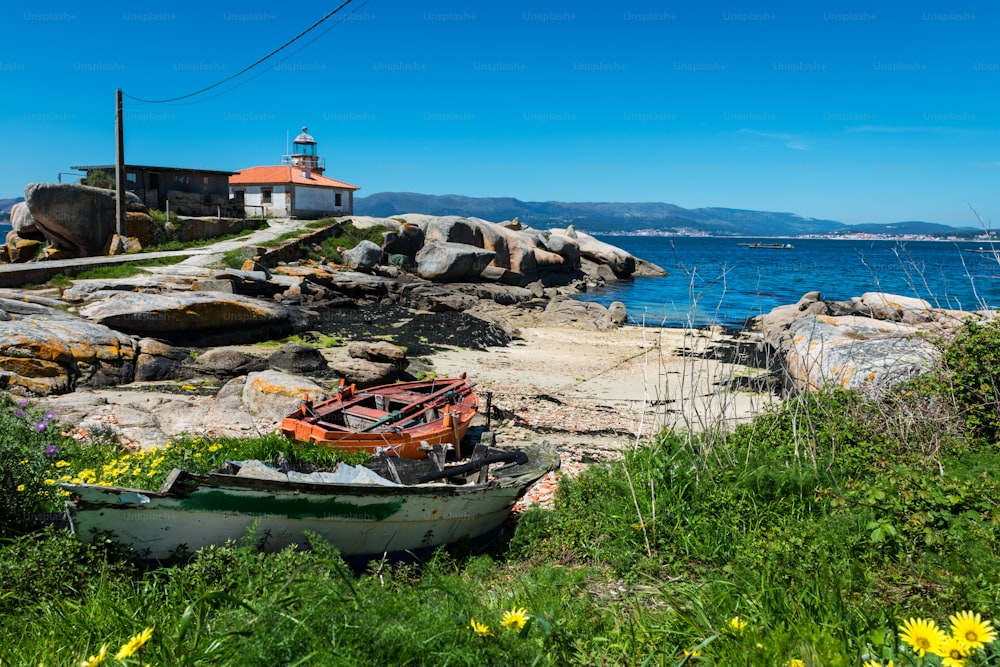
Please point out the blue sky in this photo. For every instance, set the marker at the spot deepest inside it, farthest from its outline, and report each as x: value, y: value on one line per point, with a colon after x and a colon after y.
x: 859, y: 112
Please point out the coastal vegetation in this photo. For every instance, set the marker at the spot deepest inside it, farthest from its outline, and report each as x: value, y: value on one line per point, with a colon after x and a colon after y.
x: 833, y: 529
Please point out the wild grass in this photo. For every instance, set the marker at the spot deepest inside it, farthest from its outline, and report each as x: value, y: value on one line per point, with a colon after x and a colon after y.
x: 110, y: 271
x: 805, y: 536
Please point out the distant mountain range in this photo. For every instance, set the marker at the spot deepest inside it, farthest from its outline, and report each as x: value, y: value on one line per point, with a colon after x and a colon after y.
x: 617, y: 218
x: 621, y: 218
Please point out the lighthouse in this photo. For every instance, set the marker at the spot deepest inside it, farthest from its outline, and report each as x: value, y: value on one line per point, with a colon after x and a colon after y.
x: 304, y: 154
x: 296, y: 189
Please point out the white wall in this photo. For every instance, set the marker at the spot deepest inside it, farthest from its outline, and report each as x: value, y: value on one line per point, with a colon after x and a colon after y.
x: 314, y: 199
x: 252, y: 200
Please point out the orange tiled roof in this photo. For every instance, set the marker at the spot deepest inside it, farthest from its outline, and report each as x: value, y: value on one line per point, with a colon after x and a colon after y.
x: 285, y: 174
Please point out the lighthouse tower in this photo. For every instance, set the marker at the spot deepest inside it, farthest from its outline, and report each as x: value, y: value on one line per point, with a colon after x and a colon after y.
x: 304, y: 154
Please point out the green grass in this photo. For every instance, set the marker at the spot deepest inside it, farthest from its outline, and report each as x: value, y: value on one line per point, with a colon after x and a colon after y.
x: 121, y: 270
x: 809, y: 534
x: 311, y: 338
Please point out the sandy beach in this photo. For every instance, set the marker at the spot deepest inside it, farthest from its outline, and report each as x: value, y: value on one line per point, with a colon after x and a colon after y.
x: 595, y: 393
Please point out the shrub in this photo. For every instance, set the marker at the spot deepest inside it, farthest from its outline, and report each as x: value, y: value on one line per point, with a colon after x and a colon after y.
x: 99, y: 179
x: 972, y: 369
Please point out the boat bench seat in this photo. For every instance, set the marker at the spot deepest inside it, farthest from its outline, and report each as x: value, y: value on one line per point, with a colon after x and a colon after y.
x: 365, y: 413
x: 408, y: 397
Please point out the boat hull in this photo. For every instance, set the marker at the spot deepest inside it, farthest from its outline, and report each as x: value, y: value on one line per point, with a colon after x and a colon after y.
x: 359, y: 520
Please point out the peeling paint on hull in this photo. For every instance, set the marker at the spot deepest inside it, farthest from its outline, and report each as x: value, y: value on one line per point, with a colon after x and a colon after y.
x: 197, y: 511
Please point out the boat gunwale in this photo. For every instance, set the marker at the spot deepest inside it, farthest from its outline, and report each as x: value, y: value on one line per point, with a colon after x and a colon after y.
x: 504, y: 476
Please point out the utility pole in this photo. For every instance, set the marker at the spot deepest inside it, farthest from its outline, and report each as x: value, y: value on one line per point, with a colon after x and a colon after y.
x: 119, y: 166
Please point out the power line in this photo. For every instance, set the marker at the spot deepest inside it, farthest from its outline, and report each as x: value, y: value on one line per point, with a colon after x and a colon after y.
x: 248, y: 67
x: 289, y: 55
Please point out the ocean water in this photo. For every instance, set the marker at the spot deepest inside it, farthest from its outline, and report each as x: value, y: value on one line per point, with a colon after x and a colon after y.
x: 717, y: 281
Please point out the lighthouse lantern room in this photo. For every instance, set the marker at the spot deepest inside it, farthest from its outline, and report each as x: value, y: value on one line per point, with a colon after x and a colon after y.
x: 304, y: 154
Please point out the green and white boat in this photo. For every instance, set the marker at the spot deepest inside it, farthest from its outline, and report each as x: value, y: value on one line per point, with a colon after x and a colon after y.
x: 389, y: 506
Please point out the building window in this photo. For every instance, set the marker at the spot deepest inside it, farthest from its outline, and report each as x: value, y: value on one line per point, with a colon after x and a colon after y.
x: 265, y: 195
x: 338, y: 200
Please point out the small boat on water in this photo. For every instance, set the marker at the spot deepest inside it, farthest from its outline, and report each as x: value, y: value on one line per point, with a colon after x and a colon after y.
x: 397, y: 418
x: 769, y: 246
x: 389, y: 506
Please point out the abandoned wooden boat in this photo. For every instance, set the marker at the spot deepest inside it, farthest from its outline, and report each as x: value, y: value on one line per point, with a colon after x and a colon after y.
x: 391, y: 505
x: 396, y: 418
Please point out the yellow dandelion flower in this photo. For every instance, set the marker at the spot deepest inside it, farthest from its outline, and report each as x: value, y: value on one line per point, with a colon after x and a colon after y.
x: 692, y: 654
x: 876, y: 663
x: 515, y: 617
x: 922, y: 634
x: 20, y: 487
x: 50, y: 482
x: 97, y: 658
x: 197, y: 455
x: 971, y: 629
x: 215, y: 448
x: 795, y: 662
x: 480, y: 629
x: 737, y: 624
x: 953, y: 651
x: 131, y: 646
x: 62, y: 464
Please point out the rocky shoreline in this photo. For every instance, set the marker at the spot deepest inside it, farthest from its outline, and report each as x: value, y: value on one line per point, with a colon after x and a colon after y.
x: 178, y: 349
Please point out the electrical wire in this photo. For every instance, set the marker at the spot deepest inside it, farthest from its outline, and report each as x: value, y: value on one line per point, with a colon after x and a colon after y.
x: 248, y: 67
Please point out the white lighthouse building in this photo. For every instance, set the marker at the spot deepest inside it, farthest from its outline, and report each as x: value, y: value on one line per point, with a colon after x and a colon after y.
x: 296, y: 188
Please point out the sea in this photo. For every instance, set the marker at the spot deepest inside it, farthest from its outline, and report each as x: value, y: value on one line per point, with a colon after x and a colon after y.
x: 721, y: 281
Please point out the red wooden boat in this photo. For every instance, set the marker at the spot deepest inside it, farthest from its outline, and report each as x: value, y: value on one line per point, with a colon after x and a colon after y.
x: 397, y: 418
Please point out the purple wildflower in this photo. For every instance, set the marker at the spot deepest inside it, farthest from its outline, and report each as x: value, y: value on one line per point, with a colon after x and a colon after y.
x: 52, y: 451
x: 50, y: 415
x: 42, y: 425
x: 22, y: 404
x: 19, y: 413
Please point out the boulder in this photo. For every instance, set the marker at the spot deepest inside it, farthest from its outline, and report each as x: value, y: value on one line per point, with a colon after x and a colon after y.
x: 274, y: 395
x: 436, y: 298
x: 363, y: 257
x: 583, y: 314
x: 122, y: 245
x: 22, y: 222
x: 618, y: 313
x: 621, y: 263
x: 407, y: 240
x: 225, y: 362
x: 353, y: 284
x: 157, y: 360
x: 438, y: 261
x: 192, y: 317
x: 903, y: 308
x: 381, y: 352
x: 364, y: 373
x: 20, y: 250
x: 74, y: 218
x: 47, y: 355
x: 450, y: 229
x: 297, y: 358
x: 566, y: 247
x: 854, y: 352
